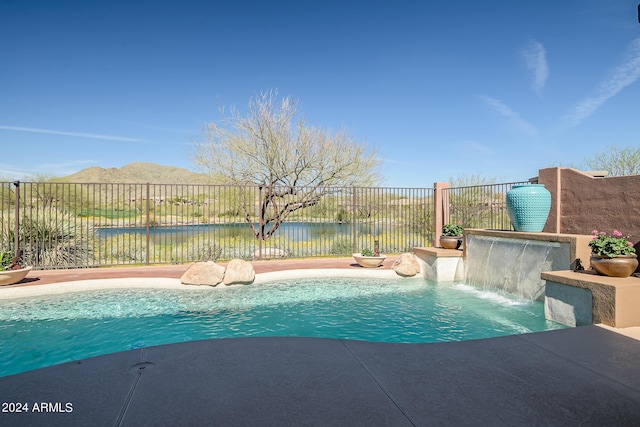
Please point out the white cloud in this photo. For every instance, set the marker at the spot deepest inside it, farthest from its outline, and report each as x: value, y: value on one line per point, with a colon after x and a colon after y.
x: 31, y: 170
x: 622, y: 76
x: 399, y: 162
x: 535, y: 59
x: 78, y: 134
x: 10, y: 173
x: 177, y: 130
x: 513, y: 117
x: 474, y: 149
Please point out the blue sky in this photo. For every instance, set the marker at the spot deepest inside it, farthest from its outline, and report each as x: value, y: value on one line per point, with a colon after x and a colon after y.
x: 498, y: 88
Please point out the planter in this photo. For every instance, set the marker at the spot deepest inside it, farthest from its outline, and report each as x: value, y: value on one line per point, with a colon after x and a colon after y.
x: 9, y: 277
x: 369, y: 261
x: 450, y: 242
x: 619, y: 266
x: 528, y: 207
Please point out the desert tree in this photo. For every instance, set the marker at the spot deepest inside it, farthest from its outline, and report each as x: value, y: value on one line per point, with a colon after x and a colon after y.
x: 617, y: 161
x: 294, y: 165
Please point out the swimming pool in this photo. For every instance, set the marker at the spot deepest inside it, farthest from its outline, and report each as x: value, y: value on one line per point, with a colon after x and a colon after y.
x: 46, y: 330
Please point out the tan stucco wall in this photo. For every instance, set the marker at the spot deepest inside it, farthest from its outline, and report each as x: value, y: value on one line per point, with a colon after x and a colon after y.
x: 586, y: 203
x: 581, y: 203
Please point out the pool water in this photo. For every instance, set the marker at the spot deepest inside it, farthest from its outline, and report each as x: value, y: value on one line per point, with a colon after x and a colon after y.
x: 42, y: 331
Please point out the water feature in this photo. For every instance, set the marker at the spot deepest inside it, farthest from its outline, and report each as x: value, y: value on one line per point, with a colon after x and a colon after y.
x: 513, y: 261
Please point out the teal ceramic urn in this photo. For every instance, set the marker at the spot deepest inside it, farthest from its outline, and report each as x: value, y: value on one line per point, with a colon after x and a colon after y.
x: 528, y: 207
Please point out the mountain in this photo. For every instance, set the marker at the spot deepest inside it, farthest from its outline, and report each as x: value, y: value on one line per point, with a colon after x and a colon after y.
x: 138, y: 173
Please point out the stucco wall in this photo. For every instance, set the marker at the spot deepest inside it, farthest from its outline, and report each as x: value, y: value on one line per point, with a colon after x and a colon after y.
x: 582, y: 203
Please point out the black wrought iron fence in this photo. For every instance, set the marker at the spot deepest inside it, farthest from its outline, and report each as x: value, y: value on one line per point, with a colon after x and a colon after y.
x: 67, y: 225
x: 479, y: 206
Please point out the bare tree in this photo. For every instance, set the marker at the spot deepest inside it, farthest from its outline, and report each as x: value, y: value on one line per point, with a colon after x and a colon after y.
x: 616, y: 161
x: 469, y: 180
x: 294, y: 165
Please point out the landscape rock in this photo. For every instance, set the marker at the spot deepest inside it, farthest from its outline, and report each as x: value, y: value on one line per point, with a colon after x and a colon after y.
x: 239, y: 272
x: 406, y: 265
x: 203, y: 273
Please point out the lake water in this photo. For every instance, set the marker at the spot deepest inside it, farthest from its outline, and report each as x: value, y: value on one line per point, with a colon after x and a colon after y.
x: 296, y: 231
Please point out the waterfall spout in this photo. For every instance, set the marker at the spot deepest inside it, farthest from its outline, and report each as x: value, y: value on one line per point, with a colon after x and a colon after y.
x: 513, y: 264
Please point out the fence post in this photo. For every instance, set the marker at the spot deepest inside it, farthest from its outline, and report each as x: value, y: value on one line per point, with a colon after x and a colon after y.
x: 441, y: 208
x: 148, y: 231
x: 260, y: 219
x: 16, y: 223
x: 353, y: 216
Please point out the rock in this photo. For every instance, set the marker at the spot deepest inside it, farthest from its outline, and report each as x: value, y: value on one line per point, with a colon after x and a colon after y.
x: 269, y: 253
x: 239, y: 272
x: 203, y: 273
x: 406, y: 265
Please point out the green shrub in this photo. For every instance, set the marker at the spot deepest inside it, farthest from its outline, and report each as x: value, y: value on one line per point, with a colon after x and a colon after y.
x: 51, y: 238
x: 5, y: 259
x: 343, y: 246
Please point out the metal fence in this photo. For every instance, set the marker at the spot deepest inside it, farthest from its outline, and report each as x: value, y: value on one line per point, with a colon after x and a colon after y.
x: 479, y: 206
x: 68, y: 225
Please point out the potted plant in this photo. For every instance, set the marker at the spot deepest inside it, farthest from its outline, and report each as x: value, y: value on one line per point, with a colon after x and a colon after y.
x: 451, y: 237
x: 612, y: 255
x: 10, y: 269
x: 369, y: 259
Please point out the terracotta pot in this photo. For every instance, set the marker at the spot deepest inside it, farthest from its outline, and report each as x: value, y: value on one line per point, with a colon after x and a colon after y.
x: 619, y: 266
x: 369, y: 261
x: 450, y: 242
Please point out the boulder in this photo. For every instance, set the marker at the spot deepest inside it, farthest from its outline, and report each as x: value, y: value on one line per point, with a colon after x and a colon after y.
x: 406, y: 265
x: 203, y: 273
x: 239, y: 272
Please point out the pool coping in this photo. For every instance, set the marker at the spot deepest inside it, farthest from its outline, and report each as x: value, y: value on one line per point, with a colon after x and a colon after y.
x: 173, y: 283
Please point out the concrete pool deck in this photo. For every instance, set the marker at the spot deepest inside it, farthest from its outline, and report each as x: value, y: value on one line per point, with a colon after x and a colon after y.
x: 579, y: 376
